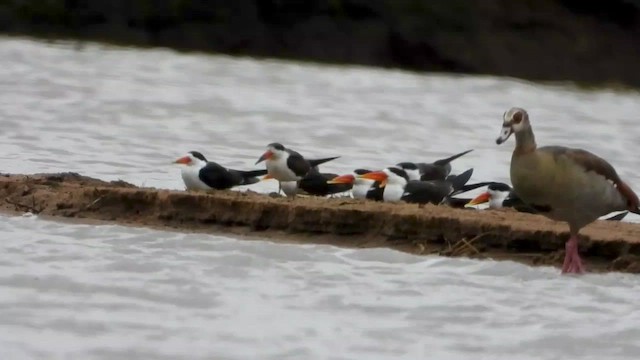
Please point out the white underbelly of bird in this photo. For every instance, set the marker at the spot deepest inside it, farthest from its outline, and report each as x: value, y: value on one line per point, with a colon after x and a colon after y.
x: 191, y: 178
x: 279, y: 170
x: 360, y: 188
x: 392, y: 193
x: 290, y: 188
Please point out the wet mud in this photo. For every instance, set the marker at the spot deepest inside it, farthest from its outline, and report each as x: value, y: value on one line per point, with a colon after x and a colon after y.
x: 436, y: 230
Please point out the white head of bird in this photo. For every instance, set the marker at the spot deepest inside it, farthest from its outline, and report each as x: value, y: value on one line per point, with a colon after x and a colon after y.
x: 274, y: 151
x: 392, y: 176
x: 514, y: 120
x: 192, y: 159
x: 495, y: 195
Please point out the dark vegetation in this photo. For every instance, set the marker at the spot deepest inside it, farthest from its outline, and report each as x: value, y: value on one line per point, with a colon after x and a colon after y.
x: 581, y: 40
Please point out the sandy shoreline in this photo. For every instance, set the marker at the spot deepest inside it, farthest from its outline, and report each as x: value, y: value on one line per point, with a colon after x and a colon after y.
x: 500, y: 235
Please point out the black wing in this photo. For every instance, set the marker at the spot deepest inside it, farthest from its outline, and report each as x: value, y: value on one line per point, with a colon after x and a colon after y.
x: 430, y: 172
x: 315, y: 183
x: 375, y: 192
x: 458, y: 181
x: 248, y: 177
x: 617, y: 217
x: 513, y: 201
x: 469, y: 187
x: 439, y: 169
x: 218, y: 177
x: 316, y: 162
x: 298, y: 164
x: 457, y: 202
x: 451, y: 158
x: 423, y: 192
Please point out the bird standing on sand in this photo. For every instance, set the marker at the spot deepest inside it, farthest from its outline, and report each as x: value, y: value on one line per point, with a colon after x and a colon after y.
x: 200, y: 174
x: 286, y: 165
x: 563, y: 184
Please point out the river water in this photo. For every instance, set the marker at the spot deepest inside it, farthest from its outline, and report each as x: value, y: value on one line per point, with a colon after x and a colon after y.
x: 110, y: 292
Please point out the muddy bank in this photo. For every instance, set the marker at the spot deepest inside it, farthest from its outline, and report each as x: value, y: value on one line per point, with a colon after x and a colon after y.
x: 540, y: 40
x: 445, y: 231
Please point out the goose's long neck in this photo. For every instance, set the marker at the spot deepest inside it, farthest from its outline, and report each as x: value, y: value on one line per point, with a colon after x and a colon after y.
x: 525, y: 141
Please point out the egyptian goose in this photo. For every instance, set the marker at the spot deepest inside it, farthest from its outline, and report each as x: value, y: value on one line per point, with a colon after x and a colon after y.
x: 563, y: 184
x: 500, y: 195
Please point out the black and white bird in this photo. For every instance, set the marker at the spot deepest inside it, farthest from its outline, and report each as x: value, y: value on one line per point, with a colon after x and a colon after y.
x: 286, y: 165
x: 398, y: 187
x: 500, y: 195
x: 437, y: 170
x: 314, y: 183
x: 361, y: 188
x: 319, y: 184
x: 200, y: 174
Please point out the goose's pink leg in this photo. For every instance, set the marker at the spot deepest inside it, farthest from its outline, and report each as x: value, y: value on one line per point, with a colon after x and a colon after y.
x: 572, y: 262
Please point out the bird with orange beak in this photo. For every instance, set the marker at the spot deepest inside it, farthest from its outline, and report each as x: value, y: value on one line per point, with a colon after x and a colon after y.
x: 361, y: 188
x: 398, y: 187
x: 498, y: 195
x: 200, y: 174
x: 286, y: 165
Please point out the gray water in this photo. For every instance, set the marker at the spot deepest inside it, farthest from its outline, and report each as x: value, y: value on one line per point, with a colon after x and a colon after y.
x: 110, y: 292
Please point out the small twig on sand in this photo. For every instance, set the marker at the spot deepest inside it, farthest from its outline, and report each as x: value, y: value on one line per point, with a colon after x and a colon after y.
x: 94, y: 202
x: 464, y: 244
x: 31, y: 209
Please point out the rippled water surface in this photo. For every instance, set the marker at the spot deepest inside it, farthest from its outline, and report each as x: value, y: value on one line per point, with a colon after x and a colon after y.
x: 109, y: 292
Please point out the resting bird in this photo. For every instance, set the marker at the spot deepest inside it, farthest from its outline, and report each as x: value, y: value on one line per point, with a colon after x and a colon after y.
x: 361, y: 188
x: 200, y: 174
x: 563, y: 184
x: 437, y: 170
x: 398, y: 187
x: 319, y: 184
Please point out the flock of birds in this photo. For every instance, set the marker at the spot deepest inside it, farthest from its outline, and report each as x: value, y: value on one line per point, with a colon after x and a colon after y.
x: 564, y: 184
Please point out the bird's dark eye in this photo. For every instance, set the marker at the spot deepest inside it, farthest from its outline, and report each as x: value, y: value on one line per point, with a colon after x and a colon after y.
x: 517, y: 117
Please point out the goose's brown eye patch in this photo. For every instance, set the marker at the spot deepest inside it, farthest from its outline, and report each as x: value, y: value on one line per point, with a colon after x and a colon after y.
x: 517, y: 117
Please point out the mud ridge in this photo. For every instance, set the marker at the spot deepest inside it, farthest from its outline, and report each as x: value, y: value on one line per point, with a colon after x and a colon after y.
x: 500, y: 235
